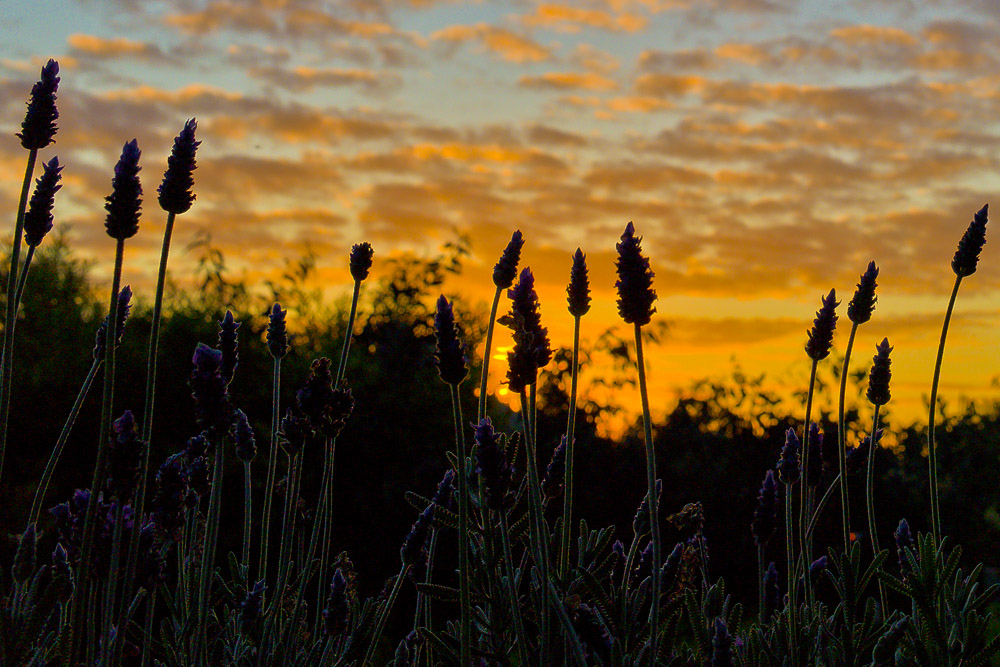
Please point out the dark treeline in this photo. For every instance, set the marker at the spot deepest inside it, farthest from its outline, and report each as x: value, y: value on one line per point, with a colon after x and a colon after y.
x: 714, y: 445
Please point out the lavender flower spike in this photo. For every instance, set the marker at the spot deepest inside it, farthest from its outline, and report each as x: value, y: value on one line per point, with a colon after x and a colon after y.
x: 38, y: 219
x: 246, y: 446
x: 555, y: 472
x: 966, y: 257
x: 578, y: 291
x: 821, y: 335
x: 124, y: 458
x: 124, y: 307
x: 125, y: 201
x: 228, y: 345
x: 450, y: 355
x: 722, y: 645
x: 765, y: 516
x: 859, y: 310
x: 39, y: 125
x: 635, y: 280
x: 878, y: 379
x: 788, y: 465
x: 506, y: 268
x: 493, y: 466
x: 361, y: 260
x: 175, y: 194
x: 531, y: 340
x: 277, y: 336
x: 413, y: 545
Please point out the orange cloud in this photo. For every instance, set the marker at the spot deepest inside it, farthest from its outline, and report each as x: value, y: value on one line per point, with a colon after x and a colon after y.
x: 568, y: 81
x: 302, y: 78
x: 873, y: 34
x: 117, y: 47
x: 749, y: 54
x: 502, y: 42
x: 566, y: 18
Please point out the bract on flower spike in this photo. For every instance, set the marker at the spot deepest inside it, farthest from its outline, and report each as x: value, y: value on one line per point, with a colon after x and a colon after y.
x: 966, y: 258
x: 450, y: 355
x: 765, y: 516
x: 124, y: 458
x: 174, y: 193
x: 277, y: 336
x: 860, y: 309
x: 361, y: 260
x: 229, y: 346
x: 578, y: 291
x: 788, y: 465
x: 635, y: 280
x: 124, y: 308
x: 38, y: 218
x: 38, y: 128
x: 125, y: 201
x: 878, y: 379
x: 821, y: 335
x: 246, y: 446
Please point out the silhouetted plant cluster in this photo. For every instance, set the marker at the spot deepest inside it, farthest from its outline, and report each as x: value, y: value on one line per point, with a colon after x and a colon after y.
x: 159, y: 561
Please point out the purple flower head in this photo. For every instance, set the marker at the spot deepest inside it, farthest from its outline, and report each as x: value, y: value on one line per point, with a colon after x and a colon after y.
x: 38, y: 218
x: 904, y: 541
x: 531, y: 340
x: 772, y: 592
x: 197, y: 470
x: 555, y: 472
x: 124, y: 458
x: 966, y: 257
x: 252, y: 604
x: 62, y: 574
x: 293, y: 433
x: 506, y: 268
x: 229, y: 346
x: 857, y: 457
x: 445, y: 489
x: 493, y: 466
x: 277, y: 337
x: 821, y: 335
x: 817, y: 568
x: 884, y: 653
x: 208, y: 388
x: 39, y: 125
x: 592, y: 632
x: 413, y: 545
x: 815, y: 472
x: 315, y: 396
x: 175, y: 194
x: 361, y: 260
x: 578, y: 291
x: 860, y: 309
x: 671, y: 567
x: 338, y: 608
x: 26, y: 555
x: 635, y: 280
x: 788, y: 465
x: 640, y: 522
x: 765, y: 516
x: 878, y: 379
x: 722, y: 645
x: 450, y: 355
x: 242, y: 433
x: 151, y: 566
x: 167, y: 510
x: 123, y: 310
x: 125, y: 201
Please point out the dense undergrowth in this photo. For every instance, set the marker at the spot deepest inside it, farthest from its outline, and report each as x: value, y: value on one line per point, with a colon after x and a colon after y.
x: 249, y: 523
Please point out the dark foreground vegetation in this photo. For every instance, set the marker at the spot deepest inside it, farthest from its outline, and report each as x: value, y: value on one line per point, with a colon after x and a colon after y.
x: 247, y: 515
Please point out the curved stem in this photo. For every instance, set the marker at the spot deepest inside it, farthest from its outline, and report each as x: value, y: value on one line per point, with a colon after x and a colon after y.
x: 842, y: 442
x: 804, y: 485
x: 348, y: 334
x: 247, y: 517
x: 383, y: 615
x: 654, y: 516
x: 790, y: 548
x: 272, y: 464
x: 537, y: 524
x: 11, y: 320
x: 522, y: 637
x: 760, y: 586
x: 43, y: 484
x: 870, y: 502
x: 148, y: 627
x: 23, y: 278
x: 931, y: 446
x: 208, y: 555
x: 567, y: 517
x: 463, y: 531
x: 486, y: 356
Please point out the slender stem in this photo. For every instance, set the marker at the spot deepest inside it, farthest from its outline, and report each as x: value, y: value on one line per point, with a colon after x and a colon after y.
x: 760, y: 585
x: 288, y: 523
x: 790, y: 548
x: 110, y: 586
x: 272, y: 464
x: 567, y: 518
x: 383, y: 615
x: 463, y: 531
x: 422, y: 599
x: 654, y: 516
x: 8, y: 332
x: 247, y: 517
x: 931, y: 446
x: 43, y: 484
x: 331, y: 452
x: 485, y: 376
x: 148, y: 627
x: 23, y: 279
x: 845, y: 505
x: 110, y: 343
x: 870, y: 501
x: 804, y: 485
x: 537, y: 523
x: 522, y: 637
x: 348, y: 334
x: 573, y: 638
x: 208, y: 555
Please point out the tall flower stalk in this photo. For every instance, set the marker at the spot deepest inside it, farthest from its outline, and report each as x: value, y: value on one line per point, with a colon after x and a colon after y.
x: 878, y: 394
x: 765, y: 520
x: 790, y: 473
x: 964, y: 264
x: 859, y: 311
x: 37, y: 131
x: 504, y: 273
x: 38, y: 219
x: 452, y: 367
x: 635, y: 305
x: 578, y: 299
x: 277, y: 346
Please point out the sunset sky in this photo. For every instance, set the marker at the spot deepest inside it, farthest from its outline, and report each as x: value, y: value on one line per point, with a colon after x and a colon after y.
x: 765, y: 149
